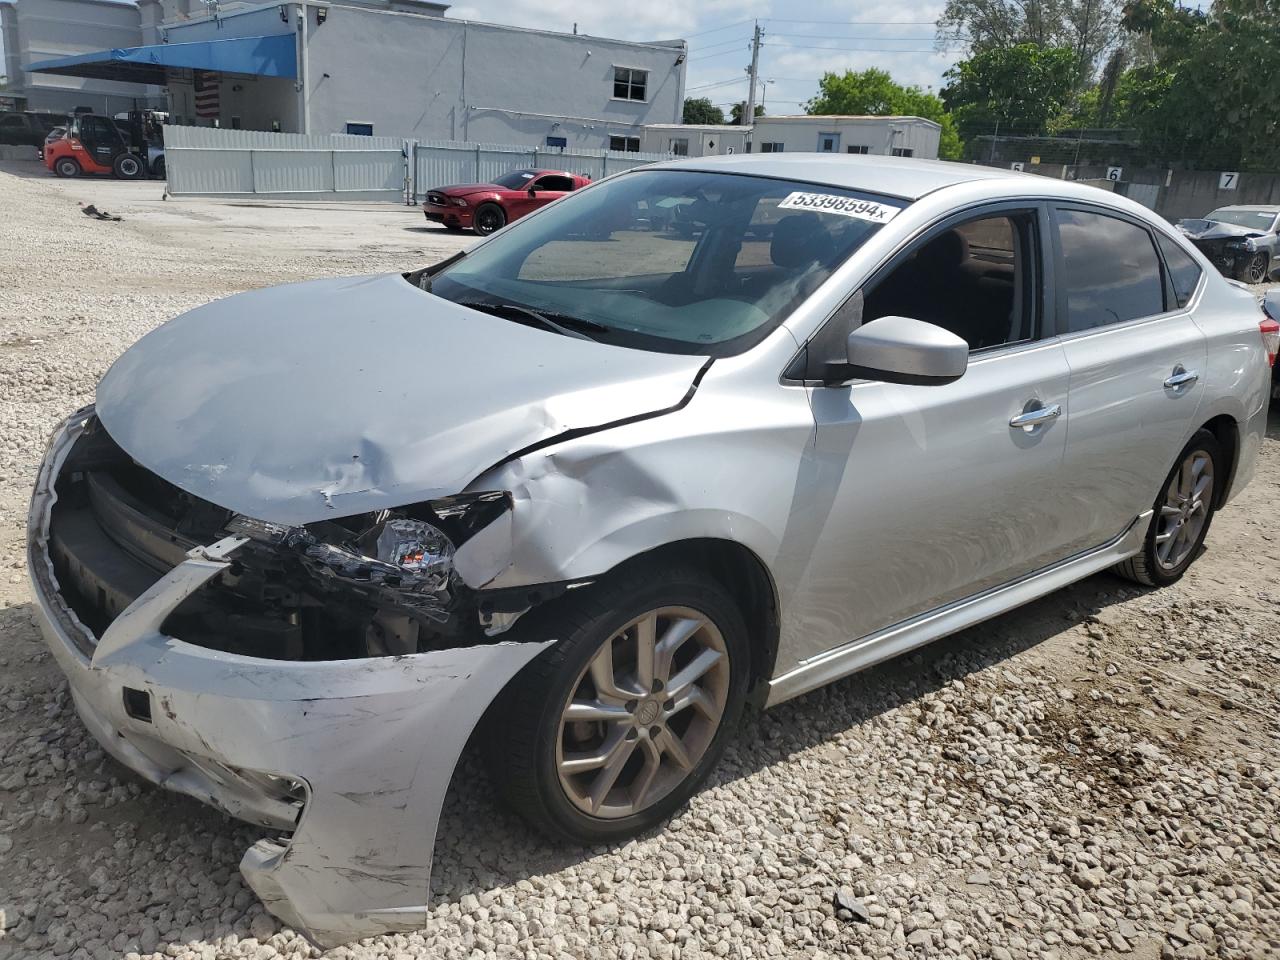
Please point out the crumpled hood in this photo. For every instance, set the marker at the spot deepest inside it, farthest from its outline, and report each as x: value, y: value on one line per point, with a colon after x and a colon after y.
x: 334, y: 397
x: 1214, y: 230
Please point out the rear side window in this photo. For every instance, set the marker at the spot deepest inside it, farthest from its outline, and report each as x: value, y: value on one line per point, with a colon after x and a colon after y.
x: 1184, y: 273
x: 1110, y: 271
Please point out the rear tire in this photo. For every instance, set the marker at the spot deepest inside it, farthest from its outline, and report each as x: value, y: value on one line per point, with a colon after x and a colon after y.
x: 129, y: 166
x: 66, y: 167
x: 1182, y: 515
x: 489, y: 218
x: 157, y: 168
x: 536, y: 735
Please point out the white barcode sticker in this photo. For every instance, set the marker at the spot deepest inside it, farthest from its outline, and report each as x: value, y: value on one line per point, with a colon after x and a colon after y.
x: 844, y: 206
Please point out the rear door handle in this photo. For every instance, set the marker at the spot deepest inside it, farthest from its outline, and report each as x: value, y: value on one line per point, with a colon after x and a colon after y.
x: 1033, y: 418
x: 1182, y: 377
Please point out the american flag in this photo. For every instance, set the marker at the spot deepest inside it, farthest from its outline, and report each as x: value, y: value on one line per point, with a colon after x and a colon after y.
x: 206, y: 91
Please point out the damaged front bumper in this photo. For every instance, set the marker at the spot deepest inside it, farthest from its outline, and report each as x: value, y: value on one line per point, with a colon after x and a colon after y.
x: 346, y: 762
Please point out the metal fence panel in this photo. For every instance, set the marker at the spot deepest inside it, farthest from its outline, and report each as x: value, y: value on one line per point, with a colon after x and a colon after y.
x: 207, y: 161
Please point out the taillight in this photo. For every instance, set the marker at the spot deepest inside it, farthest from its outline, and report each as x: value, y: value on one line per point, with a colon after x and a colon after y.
x: 1270, y: 338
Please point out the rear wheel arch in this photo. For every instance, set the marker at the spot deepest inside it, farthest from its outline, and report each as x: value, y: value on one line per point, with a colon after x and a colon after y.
x: 1227, y: 431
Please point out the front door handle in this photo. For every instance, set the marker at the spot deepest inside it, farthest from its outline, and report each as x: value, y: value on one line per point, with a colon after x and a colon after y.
x: 1031, y: 419
x: 1182, y: 377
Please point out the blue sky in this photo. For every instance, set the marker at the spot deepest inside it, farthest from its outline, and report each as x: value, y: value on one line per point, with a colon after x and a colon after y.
x: 802, y: 39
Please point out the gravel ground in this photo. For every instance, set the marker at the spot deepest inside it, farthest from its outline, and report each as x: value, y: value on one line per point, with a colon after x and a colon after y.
x: 1096, y: 774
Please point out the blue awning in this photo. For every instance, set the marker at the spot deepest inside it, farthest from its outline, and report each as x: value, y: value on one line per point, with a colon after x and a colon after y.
x: 273, y: 56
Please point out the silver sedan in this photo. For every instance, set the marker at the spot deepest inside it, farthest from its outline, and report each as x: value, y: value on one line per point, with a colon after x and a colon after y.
x: 701, y: 435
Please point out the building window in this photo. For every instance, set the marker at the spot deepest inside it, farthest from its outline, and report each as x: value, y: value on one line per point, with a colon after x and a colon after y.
x: 771, y: 146
x: 828, y: 143
x: 629, y: 83
x: 625, y: 144
x: 857, y: 148
x: 360, y: 129
x: 558, y: 143
x: 902, y: 151
x: 680, y: 146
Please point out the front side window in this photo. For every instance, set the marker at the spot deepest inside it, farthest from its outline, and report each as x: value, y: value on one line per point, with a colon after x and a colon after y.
x: 1184, y: 272
x: 553, y: 181
x: 625, y: 144
x: 670, y: 260
x: 1110, y: 271
x: 978, y: 280
x: 629, y: 83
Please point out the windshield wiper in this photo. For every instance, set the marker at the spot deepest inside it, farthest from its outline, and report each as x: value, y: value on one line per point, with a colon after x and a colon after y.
x: 559, y: 322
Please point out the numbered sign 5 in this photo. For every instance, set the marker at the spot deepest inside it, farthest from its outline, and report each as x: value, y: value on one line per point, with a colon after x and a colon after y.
x: 1228, y: 181
x: 1115, y: 173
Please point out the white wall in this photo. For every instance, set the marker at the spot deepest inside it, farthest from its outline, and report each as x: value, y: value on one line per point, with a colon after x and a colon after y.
x: 704, y: 139
x: 436, y: 78
x: 45, y: 29
x: 876, y: 133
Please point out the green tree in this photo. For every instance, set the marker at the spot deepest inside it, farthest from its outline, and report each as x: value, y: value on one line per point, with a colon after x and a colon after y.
x: 1088, y: 28
x: 735, y: 112
x: 702, y: 110
x: 875, y: 93
x: 1017, y: 89
x: 1205, y: 100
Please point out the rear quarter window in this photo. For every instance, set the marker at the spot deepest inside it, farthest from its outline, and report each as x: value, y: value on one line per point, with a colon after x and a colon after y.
x: 1184, y: 272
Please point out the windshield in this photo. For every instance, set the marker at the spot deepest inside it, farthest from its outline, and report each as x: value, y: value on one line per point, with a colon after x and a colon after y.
x: 672, y: 260
x: 1258, y: 219
x: 515, y: 180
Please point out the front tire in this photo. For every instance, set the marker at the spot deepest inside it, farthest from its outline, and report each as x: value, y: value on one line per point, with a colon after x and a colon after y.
x: 612, y: 729
x: 489, y: 218
x: 1256, y: 268
x: 1183, y: 513
x: 66, y: 168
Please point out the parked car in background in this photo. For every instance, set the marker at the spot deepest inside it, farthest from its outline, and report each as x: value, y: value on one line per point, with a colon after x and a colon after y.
x: 27, y: 127
x: 1241, y: 241
x: 57, y: 133
x: 486, y: 207
x: 592, y: 486
x: 1271, y: 307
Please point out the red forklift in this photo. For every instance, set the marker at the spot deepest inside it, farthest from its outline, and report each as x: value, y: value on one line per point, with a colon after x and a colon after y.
x: 95, y: 144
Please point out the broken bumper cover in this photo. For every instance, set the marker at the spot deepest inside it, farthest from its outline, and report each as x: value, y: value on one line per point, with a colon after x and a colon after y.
x: 348, y: 761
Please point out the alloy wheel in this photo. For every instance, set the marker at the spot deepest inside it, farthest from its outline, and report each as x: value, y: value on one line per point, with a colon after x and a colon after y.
x: 643, y: 712
x: 1257, y: 268
x: 1185, y: 510
x: 487, y: 221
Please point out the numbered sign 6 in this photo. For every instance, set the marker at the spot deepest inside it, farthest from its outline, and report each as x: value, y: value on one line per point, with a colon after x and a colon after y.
x: 1016, y: 166
x: 1114, y: 173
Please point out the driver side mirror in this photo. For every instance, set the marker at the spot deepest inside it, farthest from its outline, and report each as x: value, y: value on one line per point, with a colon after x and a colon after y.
x: 901, y: 350
x: 533, y: 191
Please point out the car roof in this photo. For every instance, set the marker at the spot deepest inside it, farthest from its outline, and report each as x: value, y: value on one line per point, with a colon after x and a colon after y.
x: 1260, y: 207
x: 903, y: 177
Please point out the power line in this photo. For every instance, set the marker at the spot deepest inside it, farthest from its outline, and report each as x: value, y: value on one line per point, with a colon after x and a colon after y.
x: 859, y: 23
x: 727, y: 26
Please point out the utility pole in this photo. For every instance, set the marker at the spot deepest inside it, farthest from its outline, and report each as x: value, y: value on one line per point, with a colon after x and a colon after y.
x: 750, y: 115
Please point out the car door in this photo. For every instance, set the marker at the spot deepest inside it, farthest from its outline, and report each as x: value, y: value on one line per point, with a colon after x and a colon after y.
x: 1135, y: 357
x: 928, y: 494
x: 548, y: 187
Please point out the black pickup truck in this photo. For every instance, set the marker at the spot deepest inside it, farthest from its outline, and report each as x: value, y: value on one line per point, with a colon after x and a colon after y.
x: 28, y: 127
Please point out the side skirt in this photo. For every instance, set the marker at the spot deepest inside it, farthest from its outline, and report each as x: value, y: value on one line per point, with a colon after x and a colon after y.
x: 916, y: 632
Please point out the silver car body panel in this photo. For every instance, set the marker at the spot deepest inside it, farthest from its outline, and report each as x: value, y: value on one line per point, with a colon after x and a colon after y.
x: 884, y: 515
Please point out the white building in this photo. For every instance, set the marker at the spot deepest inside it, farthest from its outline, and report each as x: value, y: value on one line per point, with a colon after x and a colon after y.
x: 695, y: 139
x: 35, y: 30
x: 393, y: 68
x: 886, y: 136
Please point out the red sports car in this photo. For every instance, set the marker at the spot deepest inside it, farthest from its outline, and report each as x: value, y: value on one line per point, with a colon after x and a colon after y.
x: 486, y: 207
